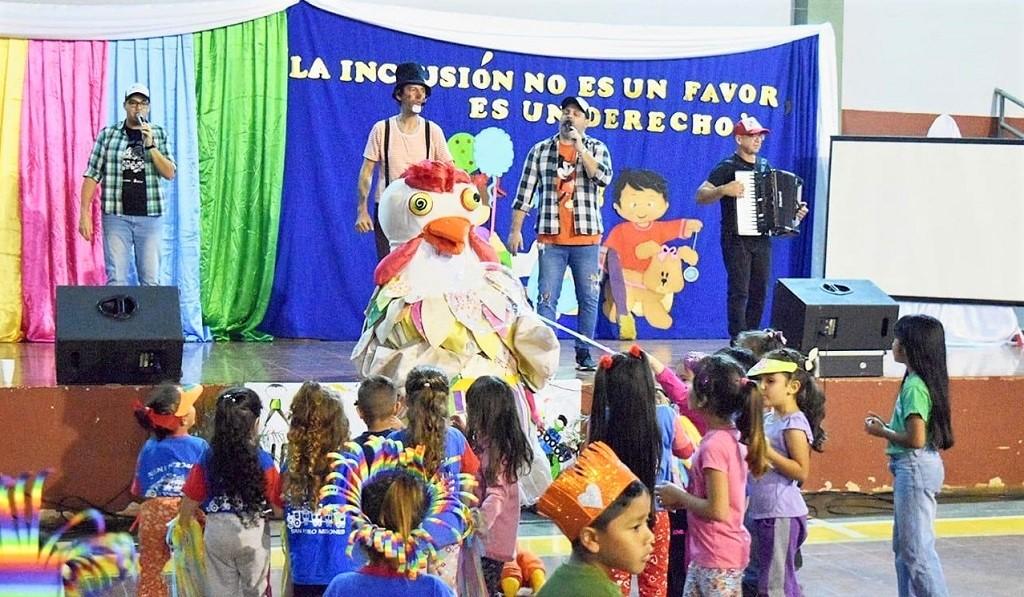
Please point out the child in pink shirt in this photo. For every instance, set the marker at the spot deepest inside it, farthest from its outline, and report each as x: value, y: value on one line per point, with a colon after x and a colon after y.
x: 504, y: 450
x: 718, y: 545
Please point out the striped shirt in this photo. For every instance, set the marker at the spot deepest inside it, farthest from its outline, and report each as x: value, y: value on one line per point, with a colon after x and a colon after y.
x: 105, y: 168
x: 540, y: 178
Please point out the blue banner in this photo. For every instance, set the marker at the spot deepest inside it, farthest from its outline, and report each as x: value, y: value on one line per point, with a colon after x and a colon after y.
x: 672, y: 117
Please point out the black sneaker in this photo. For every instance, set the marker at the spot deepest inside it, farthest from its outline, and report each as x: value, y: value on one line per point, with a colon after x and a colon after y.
x: 585, y: 362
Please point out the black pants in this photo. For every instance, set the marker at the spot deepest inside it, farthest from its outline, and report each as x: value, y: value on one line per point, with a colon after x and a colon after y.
x: 492, y: 574
x: 308, y: 590
x: 677, y: 553
x: 748, y: 264
x: 383, y: 246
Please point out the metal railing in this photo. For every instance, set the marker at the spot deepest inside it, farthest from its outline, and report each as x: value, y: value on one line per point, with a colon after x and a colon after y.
x: 999, y: 99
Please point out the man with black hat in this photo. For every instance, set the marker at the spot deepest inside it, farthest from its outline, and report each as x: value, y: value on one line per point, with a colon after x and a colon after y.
x: 748, y: 259
x: 129, y: 159
x: 396, y: 143
x: 566, y: 174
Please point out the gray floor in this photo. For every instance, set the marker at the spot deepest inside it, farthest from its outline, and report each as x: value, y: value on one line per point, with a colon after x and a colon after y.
x: 976, y: 566
x: 981, y: 566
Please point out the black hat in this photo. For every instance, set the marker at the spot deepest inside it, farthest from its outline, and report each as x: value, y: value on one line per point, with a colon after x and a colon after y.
x: 410, y: 73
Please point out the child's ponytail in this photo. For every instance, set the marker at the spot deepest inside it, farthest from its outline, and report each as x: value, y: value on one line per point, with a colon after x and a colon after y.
x: 750, y: 423
x: 426, y: 389
x: 721, y: 385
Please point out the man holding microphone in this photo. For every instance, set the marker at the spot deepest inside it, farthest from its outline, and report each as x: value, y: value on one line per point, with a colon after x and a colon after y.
x: 565, y: 174
x: 128, y: 160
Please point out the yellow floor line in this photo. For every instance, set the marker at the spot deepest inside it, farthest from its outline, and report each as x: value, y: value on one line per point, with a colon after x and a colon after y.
x: 819, y: 531
x: 829, y: 531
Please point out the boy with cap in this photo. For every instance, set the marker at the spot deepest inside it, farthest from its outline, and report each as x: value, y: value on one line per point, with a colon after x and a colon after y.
x: 567, y: 173
x: 129, y: 159
x: 748, y: 259
x: 603, y: 509
x: 396, y: 143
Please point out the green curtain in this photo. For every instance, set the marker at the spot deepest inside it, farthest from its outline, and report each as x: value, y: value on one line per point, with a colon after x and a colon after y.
x: 242, y: 92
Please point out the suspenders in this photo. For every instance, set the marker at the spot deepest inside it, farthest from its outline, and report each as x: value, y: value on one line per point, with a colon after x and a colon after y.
x: 387, y: 146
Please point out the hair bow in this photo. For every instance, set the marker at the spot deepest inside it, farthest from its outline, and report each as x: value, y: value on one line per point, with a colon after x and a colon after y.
x: 811, y: 363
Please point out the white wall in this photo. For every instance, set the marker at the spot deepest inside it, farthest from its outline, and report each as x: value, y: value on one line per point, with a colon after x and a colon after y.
x: 636, y: 12
x: 931, y: 56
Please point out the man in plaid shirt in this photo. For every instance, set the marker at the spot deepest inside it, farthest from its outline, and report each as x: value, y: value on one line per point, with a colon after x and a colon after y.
x: 566, y: 173
x: 128, y: 160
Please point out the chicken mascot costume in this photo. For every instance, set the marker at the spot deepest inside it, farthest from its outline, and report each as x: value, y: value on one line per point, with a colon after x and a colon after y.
x: 443, y: 299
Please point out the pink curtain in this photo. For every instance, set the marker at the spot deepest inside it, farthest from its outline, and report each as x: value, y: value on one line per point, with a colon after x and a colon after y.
x: 61, y: 116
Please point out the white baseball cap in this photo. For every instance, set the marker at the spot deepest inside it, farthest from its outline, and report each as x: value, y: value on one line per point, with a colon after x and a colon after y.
x: 137, y: 89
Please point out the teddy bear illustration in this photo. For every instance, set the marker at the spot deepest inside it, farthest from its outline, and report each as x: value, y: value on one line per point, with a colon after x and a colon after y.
x: 661, y: 281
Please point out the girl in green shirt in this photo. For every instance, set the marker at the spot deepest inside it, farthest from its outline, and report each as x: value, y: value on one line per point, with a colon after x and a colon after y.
x: 919, y: 427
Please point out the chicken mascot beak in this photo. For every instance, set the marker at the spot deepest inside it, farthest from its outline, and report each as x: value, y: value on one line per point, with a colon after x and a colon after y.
x: 448, y: 235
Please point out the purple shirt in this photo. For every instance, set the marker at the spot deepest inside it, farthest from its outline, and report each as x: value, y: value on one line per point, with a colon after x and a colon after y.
x: 775, y: 495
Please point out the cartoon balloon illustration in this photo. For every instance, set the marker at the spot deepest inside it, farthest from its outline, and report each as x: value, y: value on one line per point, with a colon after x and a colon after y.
x: 460, y: 145
x: 493, y: 151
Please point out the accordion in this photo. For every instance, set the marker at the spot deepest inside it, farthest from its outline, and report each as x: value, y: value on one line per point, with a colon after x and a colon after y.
x: 769, y: 203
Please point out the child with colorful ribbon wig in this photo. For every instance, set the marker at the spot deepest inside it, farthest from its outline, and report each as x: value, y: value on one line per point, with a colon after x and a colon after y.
x: 603, y: 509
x: 792, y: 428
x: 387, y: 494
x: 717, y: 543
x: 920, y: 426
x: 446, y: 453
x: 236, y: 483
x: 316, y: 541
x: 644, y: 436
x: 504, y: 451
x: 163, y: 464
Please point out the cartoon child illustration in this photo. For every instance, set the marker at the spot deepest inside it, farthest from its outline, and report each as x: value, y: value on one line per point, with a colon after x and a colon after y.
x: 652, y: 272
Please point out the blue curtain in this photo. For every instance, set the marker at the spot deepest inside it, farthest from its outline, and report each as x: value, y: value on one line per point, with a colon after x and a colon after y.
x: 803, y: 79
x: 167, y: 66
x: 324, y: 267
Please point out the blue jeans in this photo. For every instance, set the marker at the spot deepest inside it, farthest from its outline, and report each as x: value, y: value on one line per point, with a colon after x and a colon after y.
x: 128, y: 236
x: 583, y: 261
x: 917, y: 479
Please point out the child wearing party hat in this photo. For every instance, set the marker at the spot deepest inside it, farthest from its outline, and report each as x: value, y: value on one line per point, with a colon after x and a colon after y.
x: 602, y: 508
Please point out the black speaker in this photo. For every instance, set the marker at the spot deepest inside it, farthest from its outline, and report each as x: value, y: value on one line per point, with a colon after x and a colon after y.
x: 833, y: 314
x: 118, y: 334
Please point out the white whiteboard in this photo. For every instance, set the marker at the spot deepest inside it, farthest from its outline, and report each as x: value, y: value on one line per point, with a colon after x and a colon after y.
x: 928, y: 218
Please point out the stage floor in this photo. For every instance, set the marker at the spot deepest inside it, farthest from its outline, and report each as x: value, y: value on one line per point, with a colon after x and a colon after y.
x: 283, y: 360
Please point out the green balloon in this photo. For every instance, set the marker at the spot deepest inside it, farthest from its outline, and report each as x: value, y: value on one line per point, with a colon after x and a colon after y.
x: 460, y: 145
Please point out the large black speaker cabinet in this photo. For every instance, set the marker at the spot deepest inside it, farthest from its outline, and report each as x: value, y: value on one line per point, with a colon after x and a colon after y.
x: 833, y: 314
x: 118, y: 334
